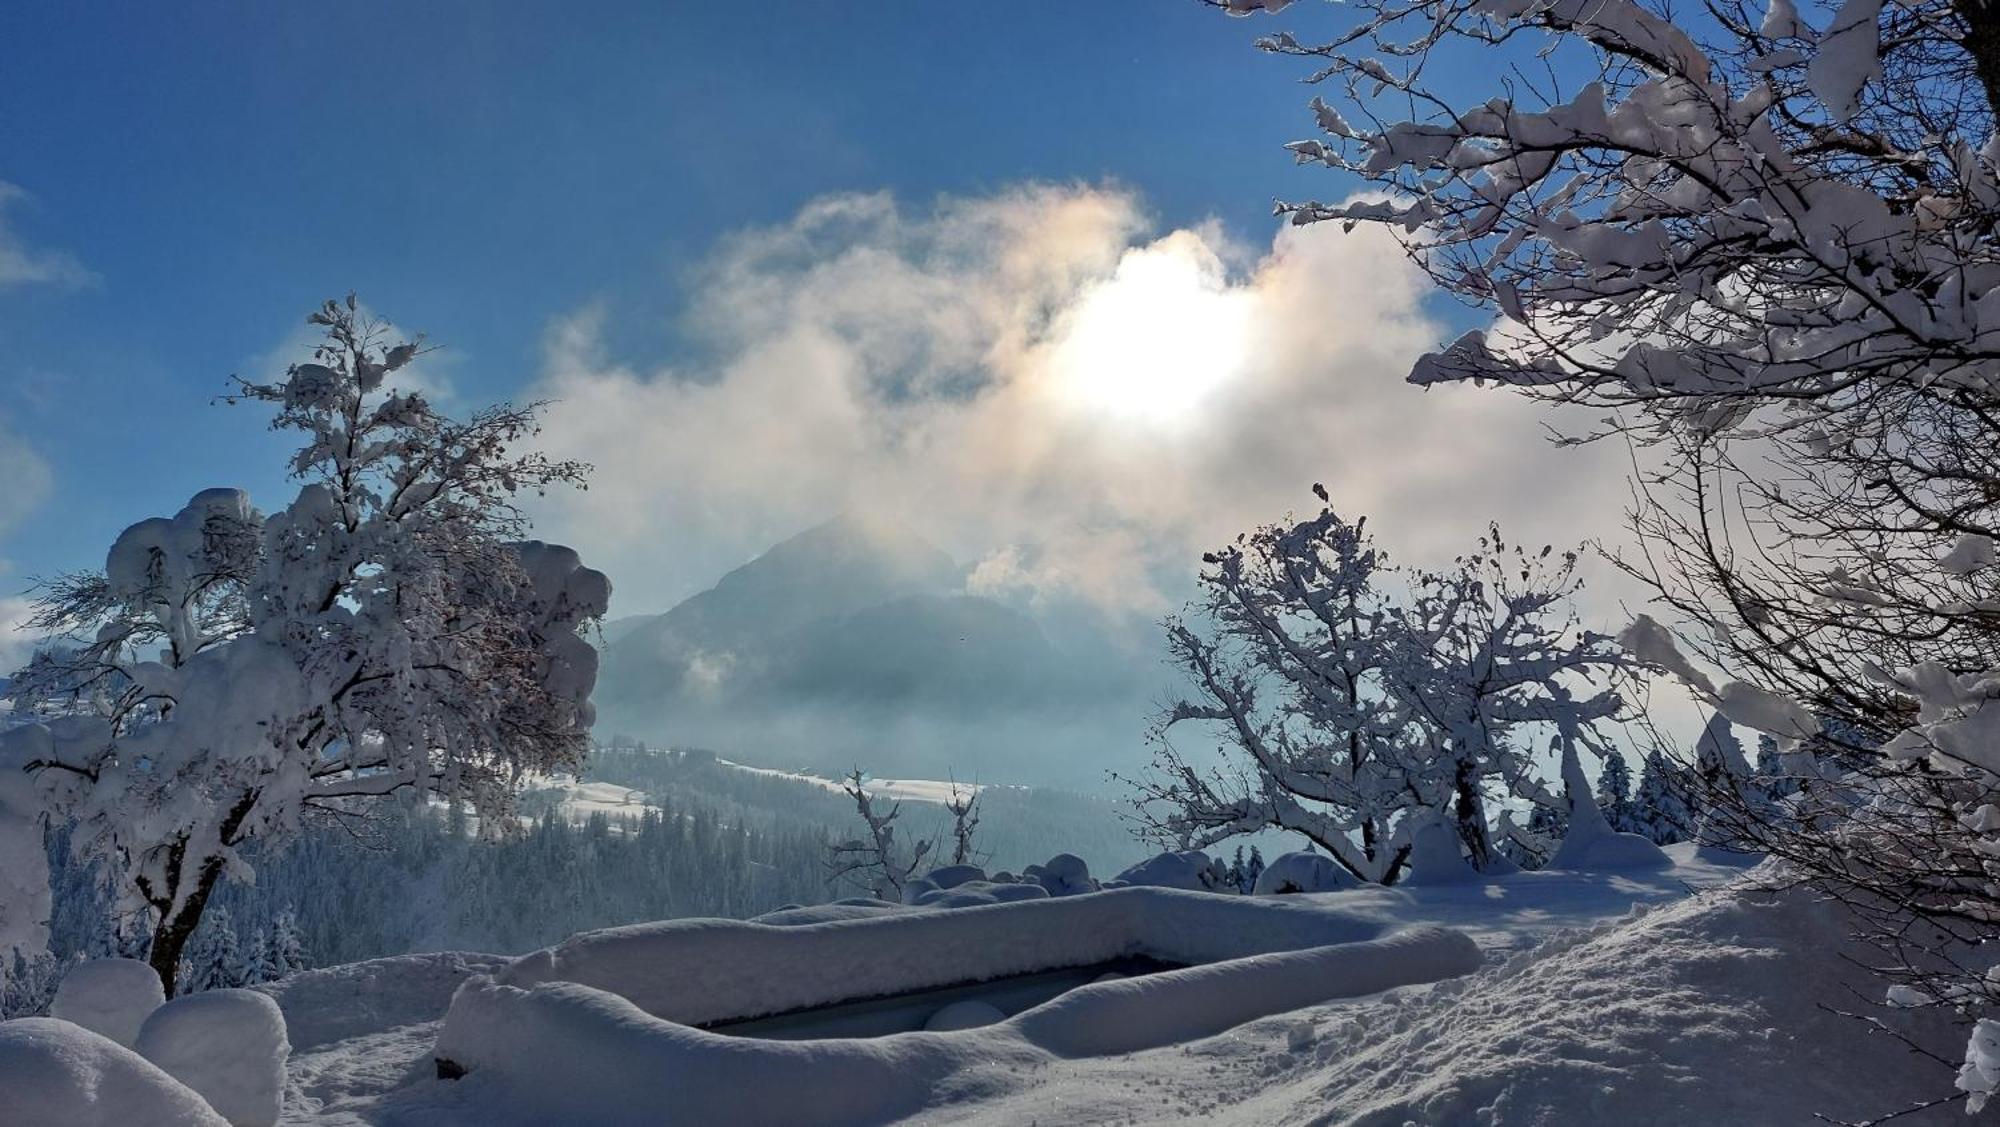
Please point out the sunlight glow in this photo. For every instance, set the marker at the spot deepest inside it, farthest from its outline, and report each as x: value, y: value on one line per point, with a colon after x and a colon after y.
x: 1151, y: 343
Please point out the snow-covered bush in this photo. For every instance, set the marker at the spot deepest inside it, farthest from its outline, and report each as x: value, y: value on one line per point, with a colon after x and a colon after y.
x: 1355, y: 697
x: 57, y: 1074
x: 1766, y: 240
x: 110, y: 997
x: 1064, y: 874
x: 387, y: 631
x: 229, y: 1046
x: 1189, y: 869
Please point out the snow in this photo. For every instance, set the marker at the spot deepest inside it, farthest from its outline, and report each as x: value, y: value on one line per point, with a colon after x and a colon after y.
x: 229, y: 1046
x: 969, y: 1014
x: 893, y: 790
x: 1303, y: 872
x: 57, y: 1074
x: 1189, y: 869
x: 110, y: 997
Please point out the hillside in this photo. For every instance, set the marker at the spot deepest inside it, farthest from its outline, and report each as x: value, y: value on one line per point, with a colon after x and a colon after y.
x: 854, y: 641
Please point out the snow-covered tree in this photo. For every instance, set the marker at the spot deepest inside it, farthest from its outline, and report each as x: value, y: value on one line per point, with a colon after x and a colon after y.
x: 963, y: 806
x: 879, y: 863
x: 386, y: 632
x: 1285, y: 652
x: 1494, y: 653
x: 1659, y: 807
x: 214, y: 958
x: 1614, y: 791
x: 1766, y: 238
x: 1353, y: 701
x: 285, y: 952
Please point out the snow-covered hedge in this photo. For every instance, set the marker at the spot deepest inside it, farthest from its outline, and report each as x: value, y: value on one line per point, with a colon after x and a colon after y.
x: 700, y: 971
x: 560, y: 1049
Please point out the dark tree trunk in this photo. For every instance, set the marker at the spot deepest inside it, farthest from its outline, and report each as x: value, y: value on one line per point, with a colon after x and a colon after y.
x: 1470, y: 810
x: 171, y: 934
x: 1982, y: 42
x: 175, y: 928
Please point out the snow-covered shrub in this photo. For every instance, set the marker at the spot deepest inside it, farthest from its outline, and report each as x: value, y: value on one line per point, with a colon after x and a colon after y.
x: 228, y: 1045
x: 1190, y: 869
x: 57, y: 1074
x: 1064, y: 874
x: 110, y: 997
x: 1303, y: 872
x: 386, y: 631
x: 972, y: 894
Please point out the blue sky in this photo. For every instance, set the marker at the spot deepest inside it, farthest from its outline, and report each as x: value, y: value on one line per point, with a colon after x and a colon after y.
x: 475, y: 169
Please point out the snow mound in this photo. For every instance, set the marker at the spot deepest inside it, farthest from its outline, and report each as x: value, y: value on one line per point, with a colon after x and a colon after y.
x: 1602, y: 849
x: 1435, y: 855
x: 969, y: 1014
x: 975, y: 893
x: 110, y: 997
x: 1191, y: 870
x: 227, y: 1045
x: 1711, y: 1010
x: 1304, y: 872
x: 827, y: 913
x: 54, y: 1073
x: 1064, y: 874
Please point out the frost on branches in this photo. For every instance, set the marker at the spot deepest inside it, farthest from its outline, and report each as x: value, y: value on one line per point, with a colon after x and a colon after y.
x: 1766, y: 237
x: 386, y: 632
x: 1360, y: 712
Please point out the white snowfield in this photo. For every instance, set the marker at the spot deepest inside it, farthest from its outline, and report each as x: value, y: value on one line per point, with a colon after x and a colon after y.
x: 895, y: 790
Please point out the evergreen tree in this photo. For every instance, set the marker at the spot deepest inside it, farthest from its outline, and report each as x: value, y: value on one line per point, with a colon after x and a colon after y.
x: 1659, y: 809
x: 1614, y: 791
x: 214, y: 957
x: 1252, y: 869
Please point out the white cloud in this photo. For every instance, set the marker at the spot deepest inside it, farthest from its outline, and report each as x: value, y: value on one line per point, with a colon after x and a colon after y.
x: 24, y: 479
x: 1049, y: 391
x: 22, y: 265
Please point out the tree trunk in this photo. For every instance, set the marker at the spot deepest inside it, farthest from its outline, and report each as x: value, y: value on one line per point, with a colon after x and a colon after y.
x: 175, y: 928
x: 1470, y: 810
x: 171, y: 934
x: 1982, y: 42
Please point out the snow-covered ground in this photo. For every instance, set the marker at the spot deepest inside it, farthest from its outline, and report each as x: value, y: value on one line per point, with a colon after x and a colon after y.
x: 1601, y: 997
x: 895, y: 790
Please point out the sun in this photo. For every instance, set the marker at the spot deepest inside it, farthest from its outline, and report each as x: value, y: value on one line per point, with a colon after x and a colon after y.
x: 1155, y: 341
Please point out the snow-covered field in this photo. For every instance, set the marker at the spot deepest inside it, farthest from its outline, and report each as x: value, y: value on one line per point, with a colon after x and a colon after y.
x: 1600, y: 997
